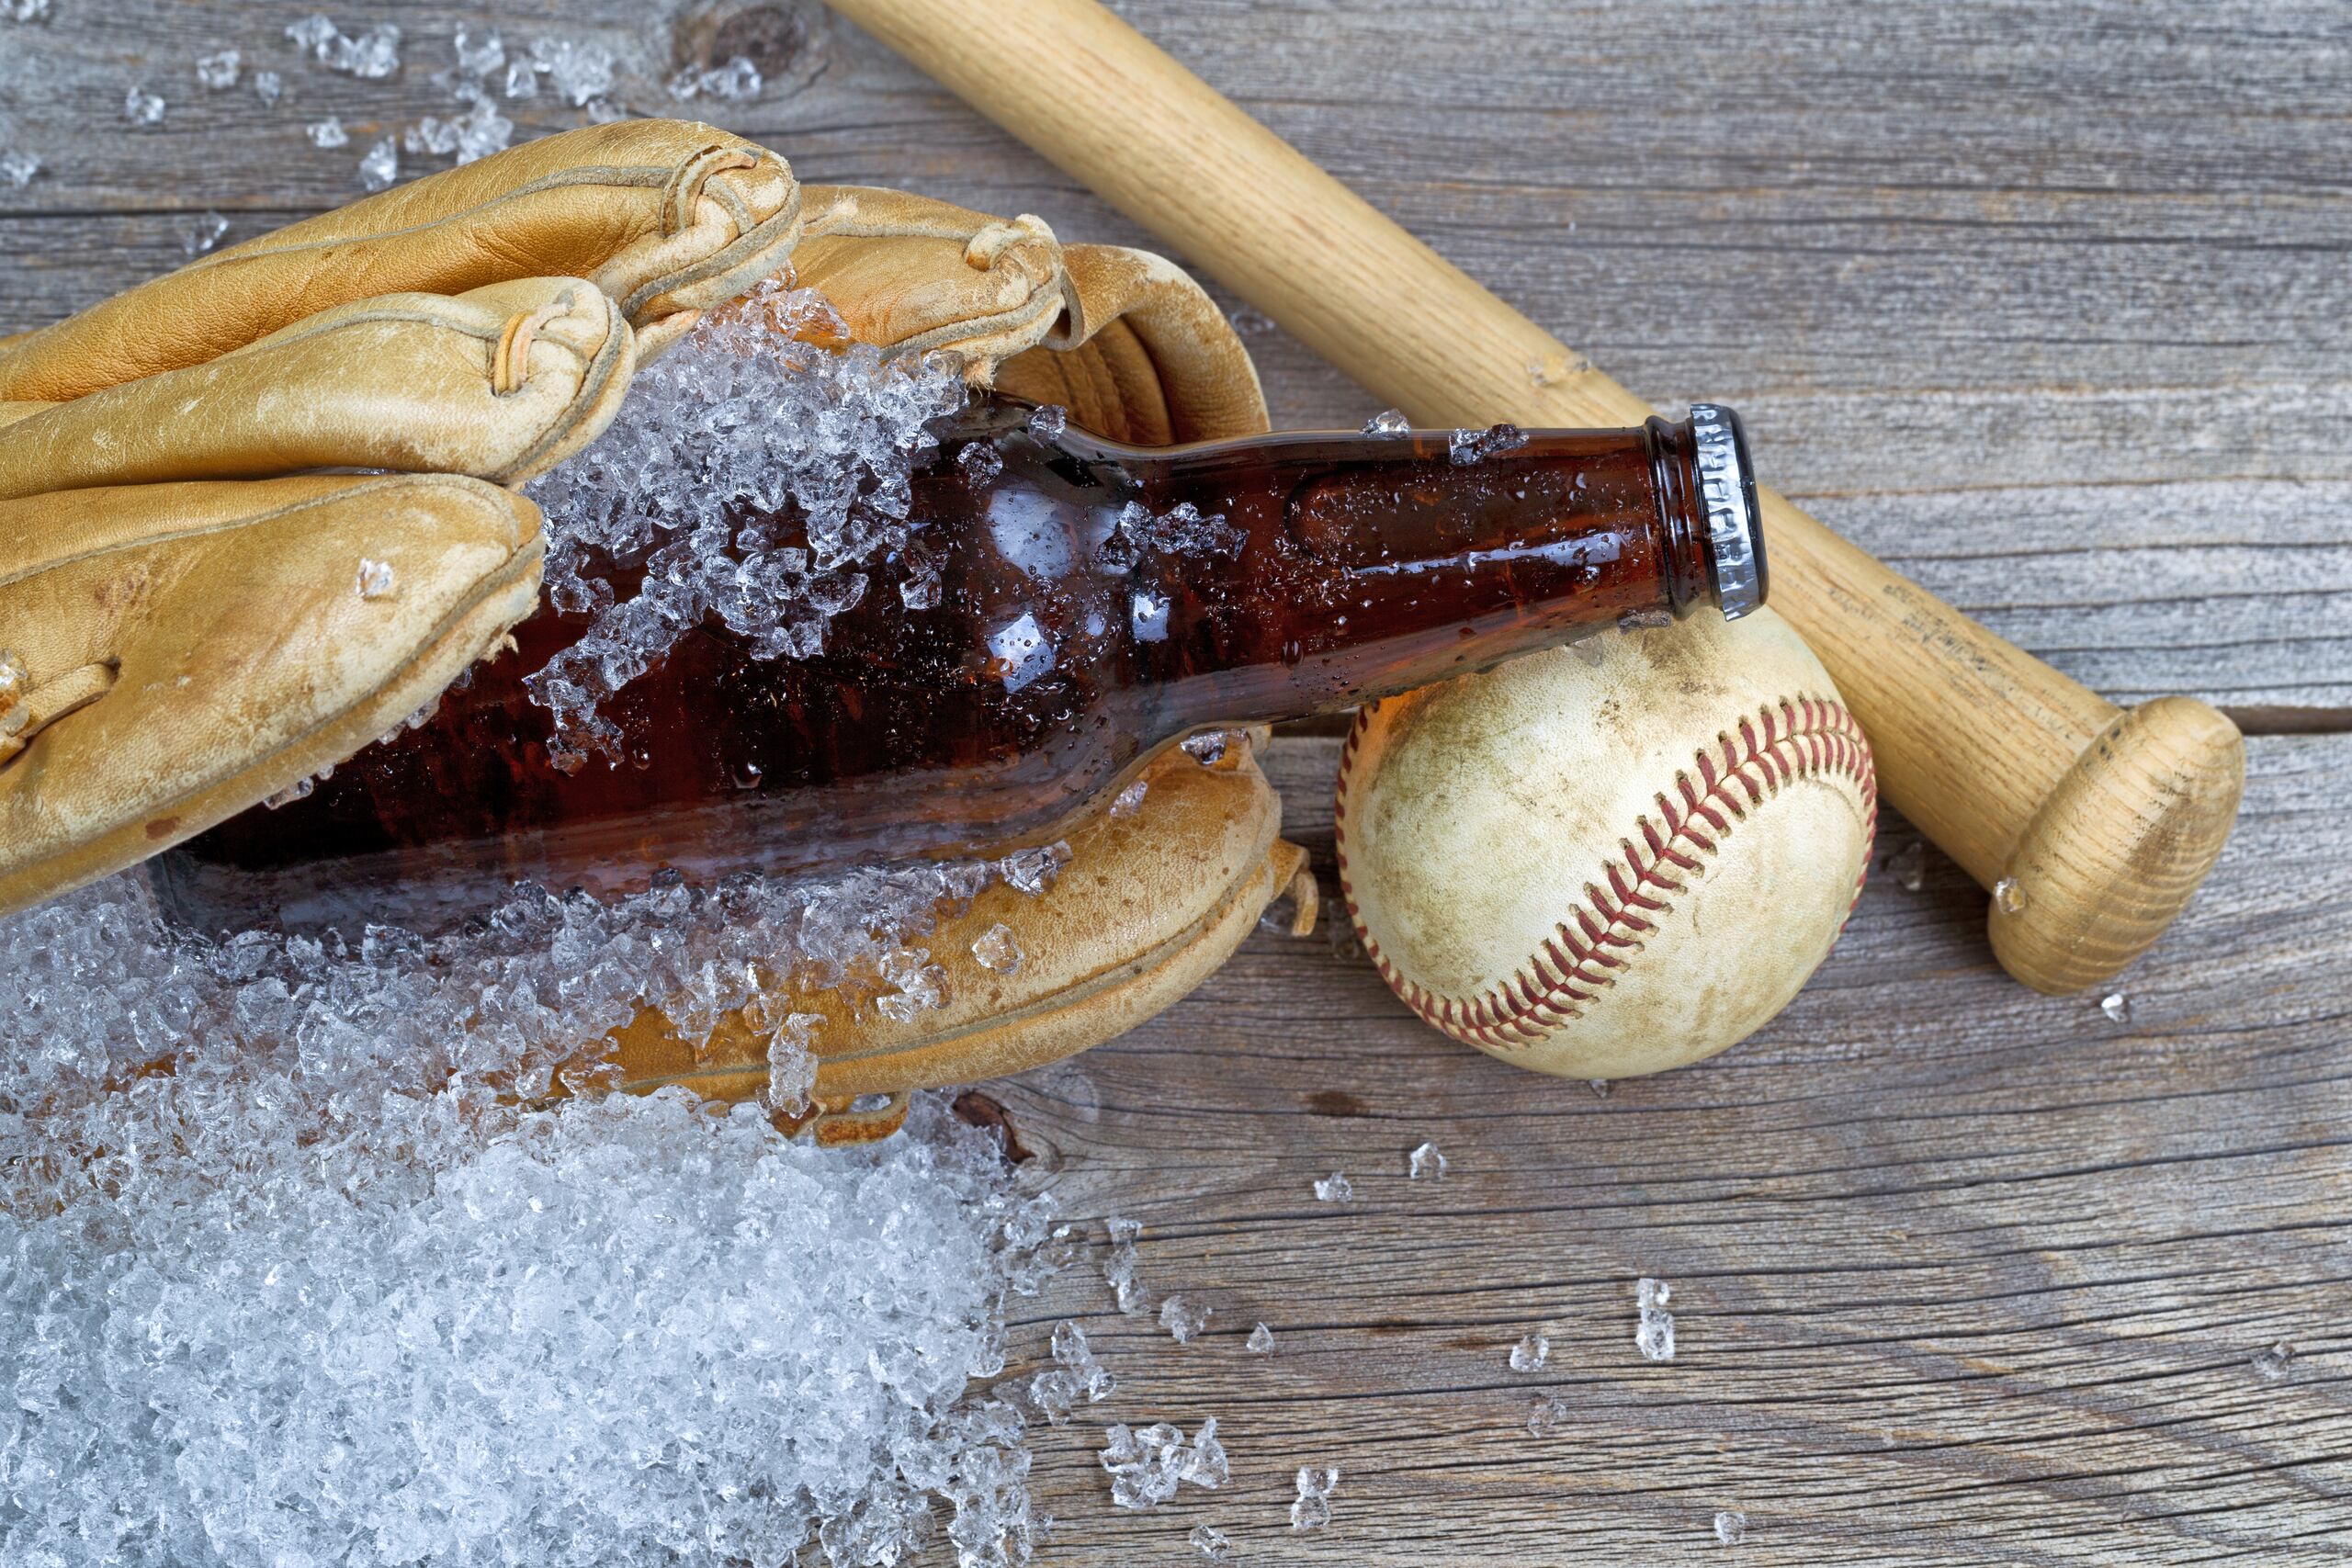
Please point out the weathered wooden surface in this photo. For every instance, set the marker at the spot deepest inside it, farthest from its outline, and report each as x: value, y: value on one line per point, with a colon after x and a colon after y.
x: 2046, y: 303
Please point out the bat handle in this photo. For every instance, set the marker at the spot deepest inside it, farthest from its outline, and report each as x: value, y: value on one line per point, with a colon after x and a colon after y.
x: 2092, y: 826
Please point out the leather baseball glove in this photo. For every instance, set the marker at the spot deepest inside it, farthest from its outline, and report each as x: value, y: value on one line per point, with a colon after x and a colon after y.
x: 178, y: 549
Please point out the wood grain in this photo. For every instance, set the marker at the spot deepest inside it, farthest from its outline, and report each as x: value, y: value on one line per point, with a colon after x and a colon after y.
x: 1962, y: 1274
x: 2044, y: 303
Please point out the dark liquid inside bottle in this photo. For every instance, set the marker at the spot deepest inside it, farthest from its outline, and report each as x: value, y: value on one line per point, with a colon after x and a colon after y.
x: 1066, y: 608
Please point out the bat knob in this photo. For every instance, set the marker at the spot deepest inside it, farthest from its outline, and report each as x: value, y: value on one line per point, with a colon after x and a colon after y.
x: 2118, y: 846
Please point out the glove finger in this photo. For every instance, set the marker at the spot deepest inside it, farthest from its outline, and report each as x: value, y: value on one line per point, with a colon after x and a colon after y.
x: 668, y: 217
x: 501, y: 383
x: 179, y: 652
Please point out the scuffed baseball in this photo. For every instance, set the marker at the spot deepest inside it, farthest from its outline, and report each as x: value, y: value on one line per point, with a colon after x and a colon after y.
x: 1611, y: 859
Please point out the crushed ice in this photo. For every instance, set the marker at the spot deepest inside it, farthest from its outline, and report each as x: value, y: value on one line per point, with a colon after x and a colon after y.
x: 301, y: 1267
x: 1211, y: 1542
x: 1334, y: 1188
x: 743, y: 412
x: 1146, y: 1466
x: 1183, y: 1318
x: 1529, y: 1354
x: 1465, y: 447
x: 1426, y: 1161
x: 1261, y: 1341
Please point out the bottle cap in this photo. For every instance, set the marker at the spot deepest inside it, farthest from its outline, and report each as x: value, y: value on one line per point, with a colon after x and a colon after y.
x: 1727, y: 488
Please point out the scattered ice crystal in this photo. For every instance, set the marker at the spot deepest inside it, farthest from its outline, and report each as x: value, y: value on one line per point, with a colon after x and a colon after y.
x: 1601, y: 1088
x: 1047, y: 422
x: 1388, y: 422
x: 198, y: 232
x: 1209, y: 747
x: 1032, y: 871
x: 1731, y: 1526
x: 1211, y: 1543
x: 1529, y: 1354
x: 1548, y: 1417
x: 382, y: 166
x: 997, y: 949
x: 740, y: 411
x: 1909, y: 866
x: 376, y: 580
x: 1465, y: 448
x: 217, y: 72
x: 578, y: 72
x: 327, y: 133
x: 373, y: 55
x: 1426, y: 1161
x: 1073, y: 1354
x: 1180, y: 530
x: 1334, y: 1188
x: 1261, y: 1341
x: 1250, y: 321
x: 18, y: 168
x: 1129, y: 801
x: 792, y: 1065
x: 1119, y: 1273
x: 1313, y: 1509
x: 921, y: 593
x: 299, y: 790
x: 2008, y: 895
x: 2116, y: 1006
x: 919, y: 984
x: 1183, y: 1319
x: 737, y: 80
x: 303, y: 1267
x: 2272, y: 1364
x: 1645, y: 620
x: 980, y: 461
x: 141, y: 107
x: 269, y: 86
x: 1123, y: 1232
x: 479, y: 57
x: 1145, y: 1467
x: 1654, y: 1335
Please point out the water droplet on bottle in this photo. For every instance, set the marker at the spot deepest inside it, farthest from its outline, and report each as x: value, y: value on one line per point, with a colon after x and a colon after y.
x: 748, y: 775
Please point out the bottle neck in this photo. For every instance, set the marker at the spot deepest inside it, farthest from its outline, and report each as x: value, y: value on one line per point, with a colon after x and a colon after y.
x: 1349, y: 567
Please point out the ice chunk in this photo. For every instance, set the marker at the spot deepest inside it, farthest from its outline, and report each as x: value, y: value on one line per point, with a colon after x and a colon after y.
x: 1261, y: 1341
x: 997, y: 949
x: 382, y: 166
x: 1425, y: 1160
x: 2008, y: 895
x: 1645, y: 620
x: 218, y: 71
x: 1206, y: 1465
x: 1388, y: 422
x: 2273, y: 1363
x: 921, y: 984
x: 1047, y: 422
x: 376, y: 580
x: 1208, y: 748
x: 1465, y: 448
x: 1529, y: 1354
x: 1129, y: 801
x: 1123, y: 1232
x: 1313, y: 1509
x: 1653, y: 1335
x: 1211, y: 1543
x: 328, y: 132
x: 373, y: 55
x: 1145, y: 1467
x: 1909, y: 866
x: 1334, y: 1188
x: 736, y: 80
x: 479, y: 56
x: 1731, y: 1526
x: 1074, y: 1355
x: 18, y: 167
x: 1182, y: 529
x: 269, y: 86
x: 2117, y: 1007
x: 578, y: 72
x: 23, y: 10
x: 198, y: 232
x: 141, y: 107
x: 1547, y: 1417
x: 1119, y: 1273
x: 1182, y: 1318
x: 792, y: 1064
x: 1032, y: 871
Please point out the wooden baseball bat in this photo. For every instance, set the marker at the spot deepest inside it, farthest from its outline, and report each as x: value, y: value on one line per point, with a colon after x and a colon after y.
x: 2091, y: 824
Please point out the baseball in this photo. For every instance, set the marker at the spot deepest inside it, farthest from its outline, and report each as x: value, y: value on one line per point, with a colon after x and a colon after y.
x: 1611, y: 859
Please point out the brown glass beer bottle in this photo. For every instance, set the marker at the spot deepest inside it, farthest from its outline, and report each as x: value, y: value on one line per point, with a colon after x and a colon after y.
x: 1066, y: 608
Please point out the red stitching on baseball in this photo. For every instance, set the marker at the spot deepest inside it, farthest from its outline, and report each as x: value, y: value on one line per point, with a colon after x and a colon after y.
x: 1805, y: 737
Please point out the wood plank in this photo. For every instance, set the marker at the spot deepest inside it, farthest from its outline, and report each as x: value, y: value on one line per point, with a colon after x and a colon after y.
x: 1980, y: 281
x: 1962, y: 1274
